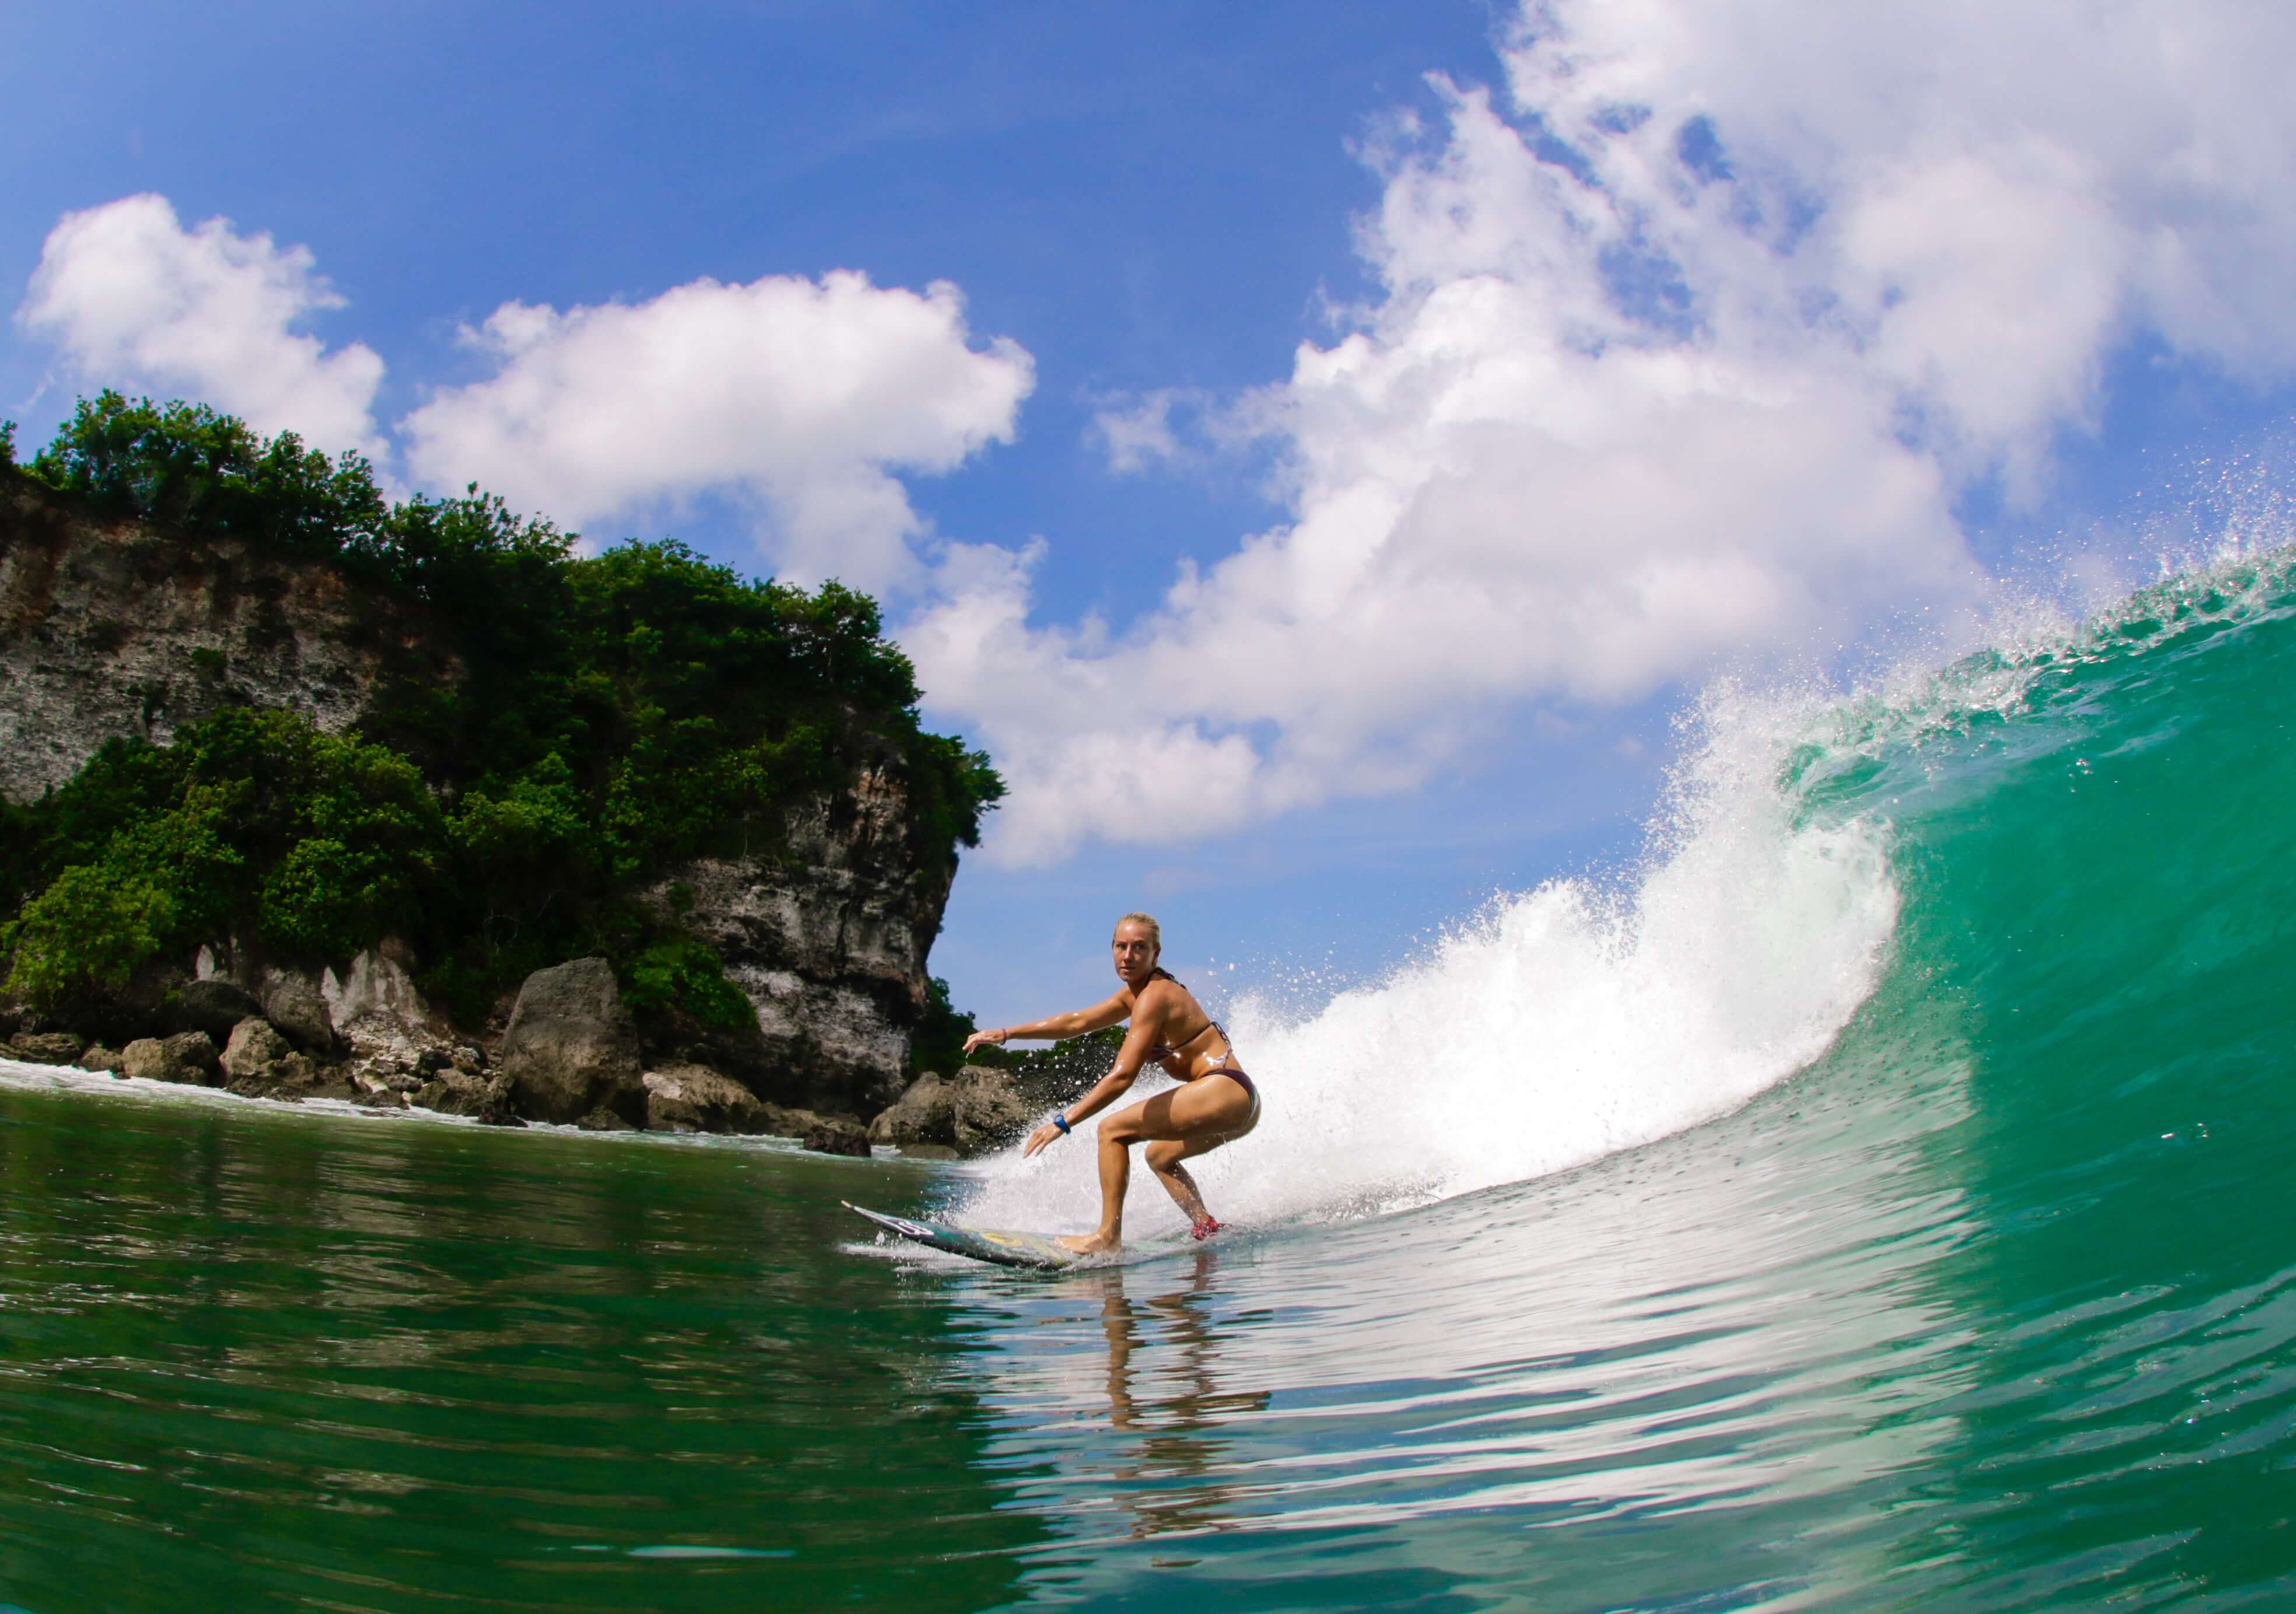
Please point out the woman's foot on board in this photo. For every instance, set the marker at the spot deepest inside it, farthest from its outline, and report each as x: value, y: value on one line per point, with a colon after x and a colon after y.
x: 1089, y: 1244
x: 1205, y: 1227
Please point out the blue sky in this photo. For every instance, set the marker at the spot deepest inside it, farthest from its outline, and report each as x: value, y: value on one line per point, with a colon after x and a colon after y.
x: 1320, y: 485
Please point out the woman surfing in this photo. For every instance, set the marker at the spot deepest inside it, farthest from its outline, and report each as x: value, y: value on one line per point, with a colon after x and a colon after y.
x: 1214, y: 1102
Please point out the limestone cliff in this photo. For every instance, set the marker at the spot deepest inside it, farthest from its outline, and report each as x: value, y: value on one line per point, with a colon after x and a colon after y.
x: 116, y: 627
x: 828, y: 941
x: 113, y: 627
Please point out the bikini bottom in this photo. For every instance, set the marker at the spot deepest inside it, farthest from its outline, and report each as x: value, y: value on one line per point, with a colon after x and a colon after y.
x: 1245, y: 1083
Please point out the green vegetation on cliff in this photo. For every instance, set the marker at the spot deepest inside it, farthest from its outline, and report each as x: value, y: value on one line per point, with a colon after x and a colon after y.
x: 615, y: 713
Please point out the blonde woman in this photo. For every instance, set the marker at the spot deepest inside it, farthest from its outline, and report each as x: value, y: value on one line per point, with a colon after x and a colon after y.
x: 1214, y: 1104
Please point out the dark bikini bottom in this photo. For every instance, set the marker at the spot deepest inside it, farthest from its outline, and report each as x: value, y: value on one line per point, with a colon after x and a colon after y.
x: 1245, y: 1082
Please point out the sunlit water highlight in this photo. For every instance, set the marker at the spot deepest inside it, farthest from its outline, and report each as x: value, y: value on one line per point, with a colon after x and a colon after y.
x: 1881, y: 1201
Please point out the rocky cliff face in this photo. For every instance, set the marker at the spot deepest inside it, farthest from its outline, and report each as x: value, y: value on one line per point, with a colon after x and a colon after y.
x: 829, y: 941
x: 116, y: 627
x: 113, y: 628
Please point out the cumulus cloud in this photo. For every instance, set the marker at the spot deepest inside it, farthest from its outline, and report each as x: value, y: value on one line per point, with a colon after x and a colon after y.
x: 1683, y: 348
x: 133, y: 299
x: 804, y: 396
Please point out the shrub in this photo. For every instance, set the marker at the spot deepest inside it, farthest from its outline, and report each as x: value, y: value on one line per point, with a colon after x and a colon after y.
x: 680, y: 973
x: 88, y: 933
x: 157, y: 885
x: 939, y: 1044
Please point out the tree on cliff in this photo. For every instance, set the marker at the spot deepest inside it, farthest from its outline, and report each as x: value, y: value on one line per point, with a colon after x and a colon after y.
x: 616, y: 713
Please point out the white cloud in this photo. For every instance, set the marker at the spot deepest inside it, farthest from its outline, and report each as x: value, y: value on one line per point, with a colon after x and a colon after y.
x: 1685, y: 357
x: 1136, y: 432
x: 133, y: 300
x: 805, y: 396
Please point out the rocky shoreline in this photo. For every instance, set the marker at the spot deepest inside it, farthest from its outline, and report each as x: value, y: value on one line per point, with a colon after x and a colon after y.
x: 569, y: 1053
x: 113, y: 626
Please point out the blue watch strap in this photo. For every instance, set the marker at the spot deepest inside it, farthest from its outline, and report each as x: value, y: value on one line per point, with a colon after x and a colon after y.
x: 1062, y: 1121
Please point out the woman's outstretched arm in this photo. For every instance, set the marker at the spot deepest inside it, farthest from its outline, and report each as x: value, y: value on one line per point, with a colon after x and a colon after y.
x: 1056, y: 1027
x: 1148, y: 1018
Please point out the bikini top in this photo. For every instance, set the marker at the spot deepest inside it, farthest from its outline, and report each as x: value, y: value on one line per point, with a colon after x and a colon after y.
x: 1227, y: 1059
x: 1161, y: 1052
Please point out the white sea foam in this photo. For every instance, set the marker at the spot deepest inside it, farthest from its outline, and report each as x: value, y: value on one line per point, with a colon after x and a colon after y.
x: 1560, y: 1025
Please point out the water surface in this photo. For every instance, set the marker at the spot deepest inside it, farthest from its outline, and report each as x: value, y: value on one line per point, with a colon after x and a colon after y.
x: 1885, y: 1205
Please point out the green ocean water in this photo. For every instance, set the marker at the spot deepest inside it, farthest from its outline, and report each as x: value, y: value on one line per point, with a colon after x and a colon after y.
x: 1988, y: 1304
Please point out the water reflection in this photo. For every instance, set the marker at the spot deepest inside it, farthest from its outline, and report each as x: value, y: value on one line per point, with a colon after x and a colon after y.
x: 1165, y: 1390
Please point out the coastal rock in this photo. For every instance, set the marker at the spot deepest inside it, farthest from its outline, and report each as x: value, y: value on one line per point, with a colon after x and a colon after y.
x: 977, y: 1111
x: 291, y: 1079
x: 378, y: 1012
x: 254, y: 1049
x: 837, y: 1135
x: 97, y: 1057
x: 456, y: 1092
x: 298, y: 1076
x: 783, y: 1122
x: 294, y: 1004
x: 604, y: 1120
x: 571, y: 1048
x: 924, y: 1115
x: 194, y: 1050
x: 990, y: 1111
x: 827, y: 936
x: 695, y: 1099
x: 259, y: 1063
x: 188, y: 1058
x: 46, y: 1047
x: 212, y: 1005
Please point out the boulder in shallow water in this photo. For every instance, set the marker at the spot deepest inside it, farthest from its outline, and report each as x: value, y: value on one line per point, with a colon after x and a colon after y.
x: 571, y: 1048
x: 924, y: 1115
x: 990, y: 1111
x: 44, y: 1046
x: 977, y: 1111
x: 300, y: 1077
x: 259, y: 1063
x: 188, y: 1058
x: 456, y: 1092
x: 194, y: 1050
x: 451, y: 1093
x: 837, y: 1135
x: 696, y: 1098
x: 254, y: 1048
x: 603, y: 1120
x: 97, y: 1057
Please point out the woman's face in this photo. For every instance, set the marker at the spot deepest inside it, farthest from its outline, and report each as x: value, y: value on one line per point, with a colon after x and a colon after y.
x: 1135, y: 953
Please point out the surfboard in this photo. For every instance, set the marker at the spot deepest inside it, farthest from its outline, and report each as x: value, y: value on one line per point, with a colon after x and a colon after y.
x: 1034, y: 1251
